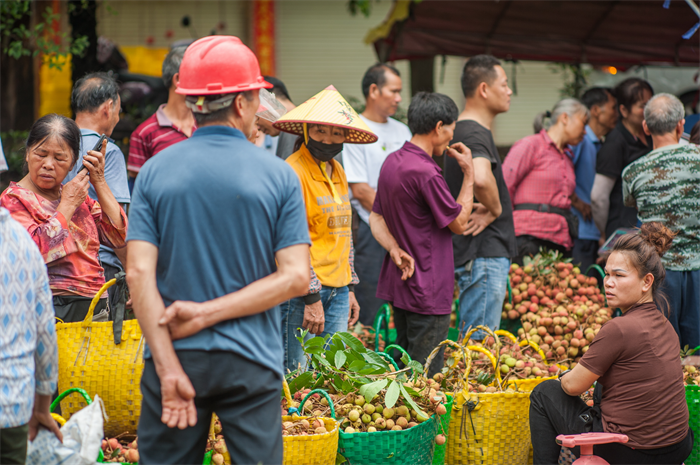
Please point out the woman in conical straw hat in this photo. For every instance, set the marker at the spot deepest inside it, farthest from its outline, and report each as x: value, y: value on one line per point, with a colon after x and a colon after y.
x: 323, y: 123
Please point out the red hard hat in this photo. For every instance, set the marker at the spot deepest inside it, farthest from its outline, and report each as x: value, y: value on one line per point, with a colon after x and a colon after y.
x: 219, y: 65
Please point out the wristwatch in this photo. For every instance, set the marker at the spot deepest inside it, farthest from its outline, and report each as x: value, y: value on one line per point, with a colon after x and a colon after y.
x: 563, y: 373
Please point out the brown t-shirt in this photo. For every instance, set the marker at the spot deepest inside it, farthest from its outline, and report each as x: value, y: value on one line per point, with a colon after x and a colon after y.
x: 636, y: 356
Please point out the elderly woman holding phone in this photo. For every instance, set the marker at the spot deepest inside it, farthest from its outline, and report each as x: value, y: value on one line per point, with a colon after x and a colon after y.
x: 66, y: 224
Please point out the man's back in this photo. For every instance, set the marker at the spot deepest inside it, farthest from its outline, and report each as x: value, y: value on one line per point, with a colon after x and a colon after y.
x: 416, y: 204
x: 665, y: 184
x: 218, y: 208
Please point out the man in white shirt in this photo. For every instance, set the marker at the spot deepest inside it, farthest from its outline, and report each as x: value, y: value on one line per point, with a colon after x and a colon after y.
x: 381, y: 86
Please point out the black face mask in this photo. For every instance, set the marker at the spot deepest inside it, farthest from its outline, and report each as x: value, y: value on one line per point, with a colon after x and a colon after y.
x: 323, y: 152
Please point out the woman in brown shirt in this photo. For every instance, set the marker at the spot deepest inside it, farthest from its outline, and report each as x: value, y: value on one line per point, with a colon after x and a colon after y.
x: 635, y: 360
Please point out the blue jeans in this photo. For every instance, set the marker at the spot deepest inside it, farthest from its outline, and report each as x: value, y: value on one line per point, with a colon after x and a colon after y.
x: 336, y: 307
x: 481, y: 294
x: 682, y: 288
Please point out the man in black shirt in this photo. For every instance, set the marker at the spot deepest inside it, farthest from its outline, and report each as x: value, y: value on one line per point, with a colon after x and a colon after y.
x: 482, y: 254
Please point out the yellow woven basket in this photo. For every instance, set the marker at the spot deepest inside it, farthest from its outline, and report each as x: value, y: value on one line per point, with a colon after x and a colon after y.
x: 316, y: 449
x: 489, y: 428
x: 89, y: 359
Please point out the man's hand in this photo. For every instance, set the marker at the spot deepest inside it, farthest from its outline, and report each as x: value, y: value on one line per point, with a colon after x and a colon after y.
x: 479, y: 220
x: 183, y: 319
x: 583, y: 208
x: 177, y: 395
x: 463, y: 155
x: 354, y: 309
x: 41, y: 416
x: 314, y: 318
x: 404, y: 261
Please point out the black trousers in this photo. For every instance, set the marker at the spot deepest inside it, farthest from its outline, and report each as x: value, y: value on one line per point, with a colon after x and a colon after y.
x: 585, y: 252
x: 553, y: 412
x: 13, y: 445
x: 245, y: 396
x: 71, y: 309
x: 369, y: 256
x: 420, y: 334
x: 530, y: 245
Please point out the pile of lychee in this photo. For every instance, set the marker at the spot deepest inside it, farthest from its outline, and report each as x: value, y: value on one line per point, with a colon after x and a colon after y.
x: 122, y: 451
x: 561, y: 310
x: 304, y: 427
x: 516, y: 362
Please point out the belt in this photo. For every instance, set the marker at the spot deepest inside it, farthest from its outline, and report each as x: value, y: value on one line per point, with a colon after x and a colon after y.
x: 542, y: 207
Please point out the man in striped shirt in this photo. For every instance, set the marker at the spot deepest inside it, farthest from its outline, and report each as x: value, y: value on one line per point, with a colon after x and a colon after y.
x: 171, y: 123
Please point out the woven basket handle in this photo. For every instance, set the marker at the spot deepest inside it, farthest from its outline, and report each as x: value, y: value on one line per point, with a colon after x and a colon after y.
x: 534, y: 345
x: 508, y: 334
x: 325, y: 394
x: 88, y: 318
x: 493, y: 360
x: 288, y: 394
x: 465, y: 354
x: 487, y: 330
x: 384, y: 314
x: 389, y: 358
x: 68, y: 392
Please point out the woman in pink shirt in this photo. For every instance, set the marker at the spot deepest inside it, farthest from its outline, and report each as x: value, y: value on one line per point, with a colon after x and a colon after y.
x: 66, y: 224
x: 539, y: 173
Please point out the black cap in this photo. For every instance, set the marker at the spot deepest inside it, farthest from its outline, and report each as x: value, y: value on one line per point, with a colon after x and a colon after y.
x: 278, y: 87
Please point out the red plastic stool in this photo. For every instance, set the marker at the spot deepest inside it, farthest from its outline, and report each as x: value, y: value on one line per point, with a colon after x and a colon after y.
x: 586, y: 441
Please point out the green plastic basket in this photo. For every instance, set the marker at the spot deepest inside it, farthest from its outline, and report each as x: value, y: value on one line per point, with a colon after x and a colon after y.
x: 692, y: 397
x: 414, y: 445
x: 439, y: 455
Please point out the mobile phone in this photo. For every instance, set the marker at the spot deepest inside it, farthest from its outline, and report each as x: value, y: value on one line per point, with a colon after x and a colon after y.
x: 98, y: 147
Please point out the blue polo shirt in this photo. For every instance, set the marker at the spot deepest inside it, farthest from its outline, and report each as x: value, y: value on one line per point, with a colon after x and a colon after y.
x: 218, y: 208
x: 585, y: 154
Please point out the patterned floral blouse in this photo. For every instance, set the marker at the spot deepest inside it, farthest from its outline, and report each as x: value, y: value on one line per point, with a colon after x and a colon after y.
x: 71, y: 251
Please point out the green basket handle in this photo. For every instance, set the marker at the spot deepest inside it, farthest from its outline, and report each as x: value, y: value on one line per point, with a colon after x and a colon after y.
x: 389, y: 358
x: 602, y: 277
x: 399, y: 348
x: 384, y: 314
x: 325, y: 394
x: 68, y: 392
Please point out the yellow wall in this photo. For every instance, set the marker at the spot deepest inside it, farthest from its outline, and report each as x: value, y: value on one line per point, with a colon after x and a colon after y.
x: 55, y: 86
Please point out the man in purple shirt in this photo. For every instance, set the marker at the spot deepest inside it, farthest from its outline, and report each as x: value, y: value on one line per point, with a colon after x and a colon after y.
x: 413, y: 218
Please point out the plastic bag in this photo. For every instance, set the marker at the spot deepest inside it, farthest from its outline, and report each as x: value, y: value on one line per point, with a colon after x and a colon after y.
x: 82, y: 439
x: 270, y: 108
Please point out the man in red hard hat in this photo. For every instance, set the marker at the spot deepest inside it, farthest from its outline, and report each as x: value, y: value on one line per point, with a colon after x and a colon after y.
x: 217, y: 239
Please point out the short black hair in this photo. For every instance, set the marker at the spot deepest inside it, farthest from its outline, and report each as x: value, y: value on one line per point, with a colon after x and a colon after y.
x: 479, y: 68
x: 221, y: 115
x: 376, y: 74
x: 596, y: 96
x: 91, y: 91
x: 59, y: 126
x: 278, y: 87
x: 631, y: 91
x: 427, y: 109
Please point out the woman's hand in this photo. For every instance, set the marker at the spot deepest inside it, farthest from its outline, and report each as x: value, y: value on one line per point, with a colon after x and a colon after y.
x: 73, y: 195
x: 94, y: 161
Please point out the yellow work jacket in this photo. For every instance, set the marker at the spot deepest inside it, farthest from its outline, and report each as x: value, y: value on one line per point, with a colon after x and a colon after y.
x: 329, y: 222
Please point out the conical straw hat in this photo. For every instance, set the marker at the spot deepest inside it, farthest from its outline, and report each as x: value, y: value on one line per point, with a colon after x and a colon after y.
x: 330, y: 108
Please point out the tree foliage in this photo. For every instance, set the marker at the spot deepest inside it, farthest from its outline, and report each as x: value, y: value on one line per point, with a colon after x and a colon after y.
x: 20, y: 39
